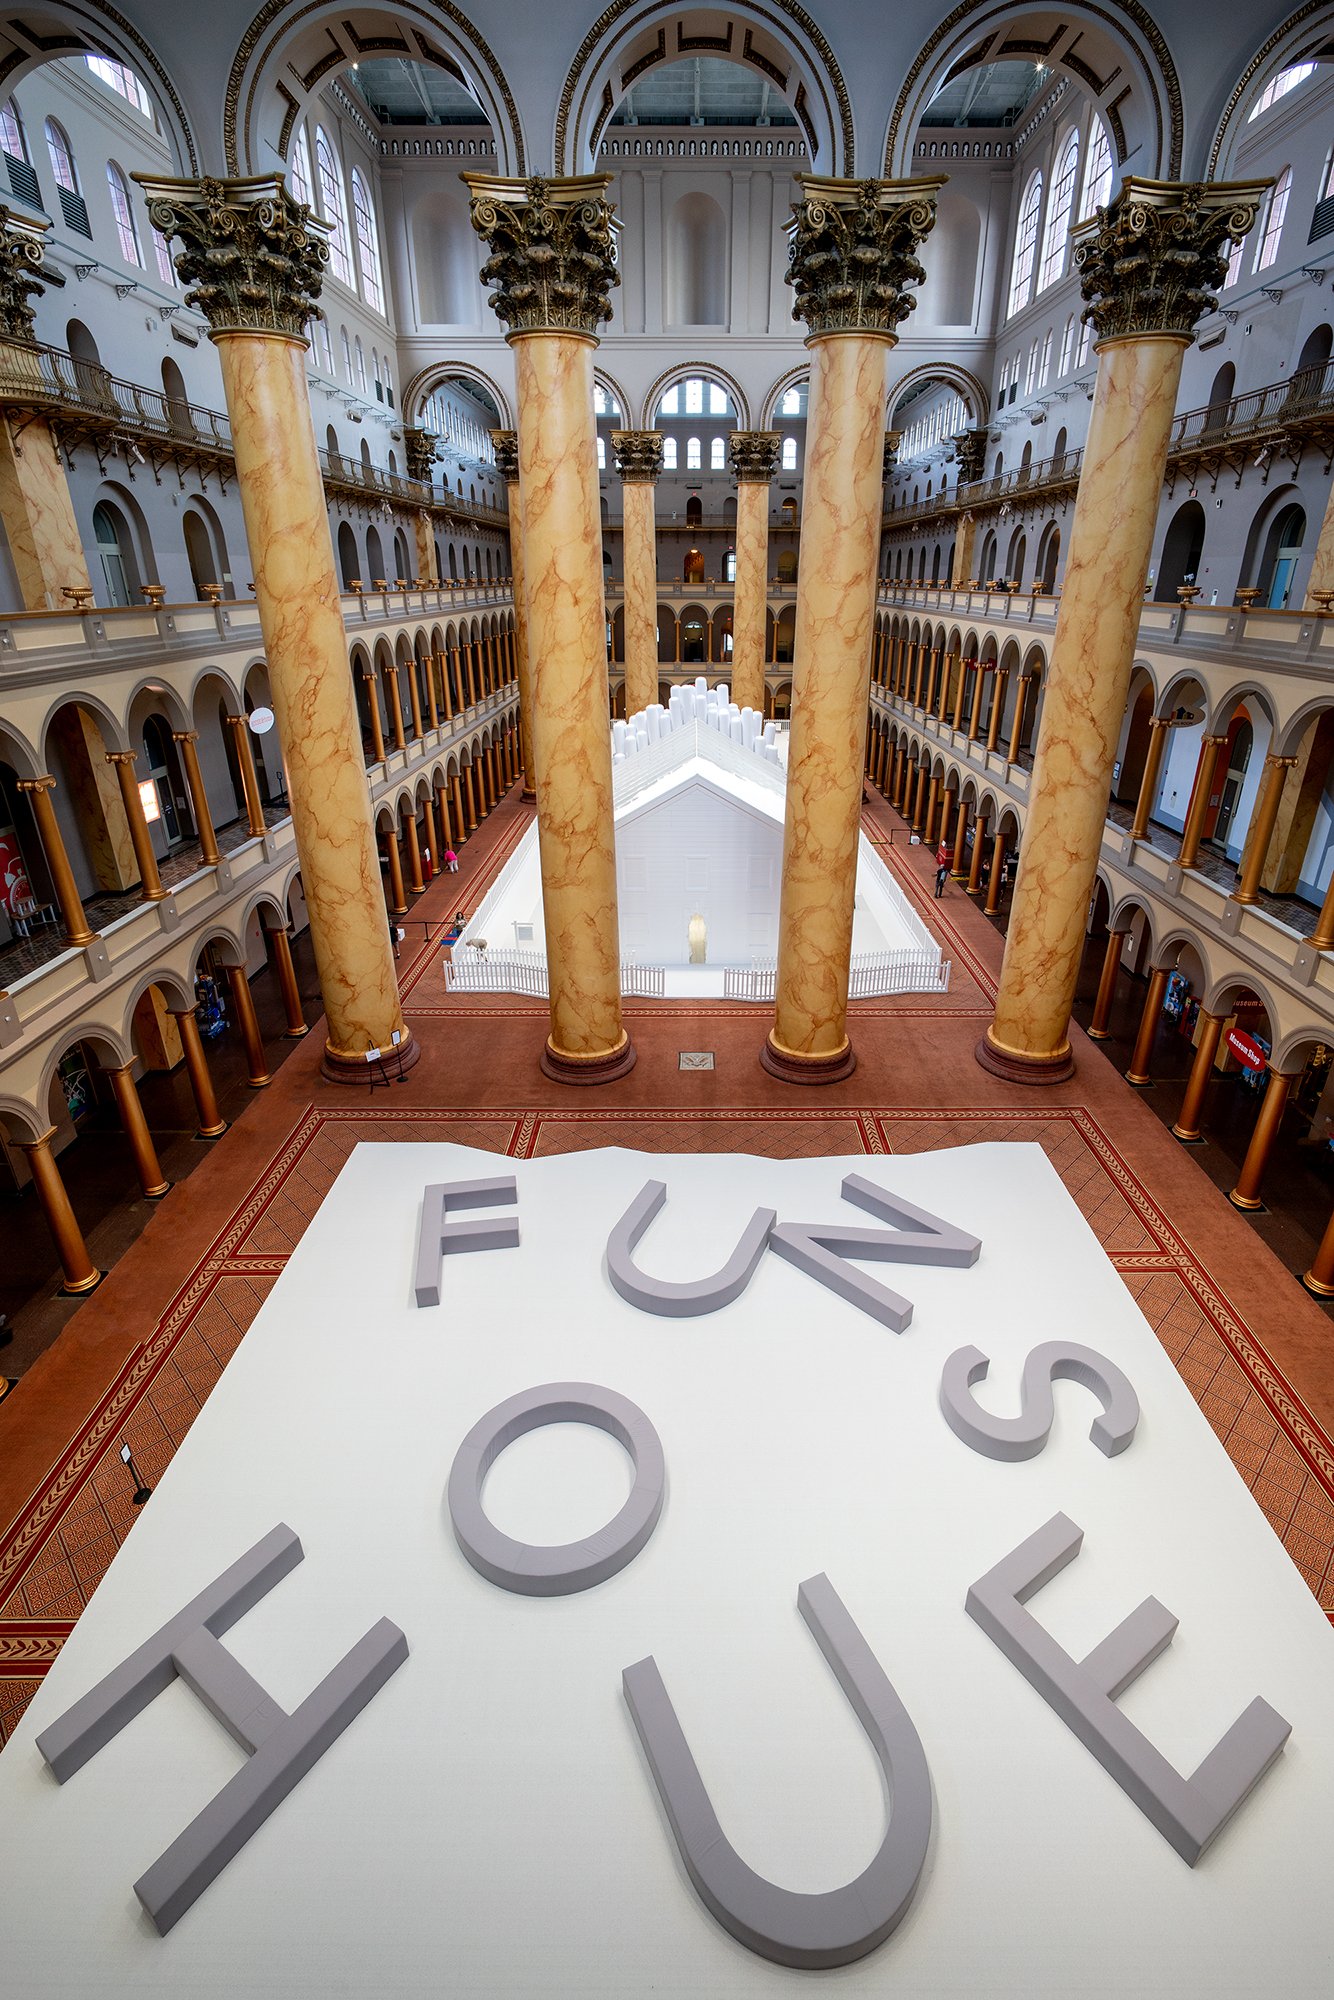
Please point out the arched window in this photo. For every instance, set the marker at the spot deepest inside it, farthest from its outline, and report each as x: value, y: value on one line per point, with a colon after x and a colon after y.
x: 368, y: 242
x: 791, y: 403
x: 361, y: 366
x: 13, y: 138
x: 124, y: 214
x: 718, y: 455
x: 1279, y: 86
x: 789, y: 459
x: 166, y: 270
x: 1044, y: 366
x: 669, y: 454
x: 1067, y: 346
x: 692, y: 455
x: 602, y: 454
x: 347, y: 352
x: 335, y: 211
x: 1025, y: 246
x: 1057, y: 232
x: 302, y: 184
x: 66, y: 172
x: 1275, y: 210
x: 1097, y: 171
x: 1031, y: 371
x: 1085, y: 342
x: 123, y: 81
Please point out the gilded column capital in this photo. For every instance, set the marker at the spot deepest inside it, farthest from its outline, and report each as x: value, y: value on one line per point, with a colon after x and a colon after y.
x: 46, y: 783
x: 21, y: 240
x: 553, y: 250
x: 253, y: 257
x: 1152, y: 261
x: 419, y: 450
x: 890, y: 456
x: 970, y: 451
x: 638, y: 456
x: 505, y: 444
x: 127, y: 756
x: 754, y: 456
x: 851, y: 251
x: 185, y: 735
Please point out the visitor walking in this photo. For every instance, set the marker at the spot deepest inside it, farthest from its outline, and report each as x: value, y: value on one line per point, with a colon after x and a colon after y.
x: 942, y: 877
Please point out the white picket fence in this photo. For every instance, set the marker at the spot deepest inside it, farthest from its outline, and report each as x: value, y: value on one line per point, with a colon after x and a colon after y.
x: 526, y: 972
x: 871, y: 975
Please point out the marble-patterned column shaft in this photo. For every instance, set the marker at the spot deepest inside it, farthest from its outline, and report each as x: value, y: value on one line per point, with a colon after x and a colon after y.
x: 551, y: 269
x: 36, y: 509
x: 1148, y: 266
x: 851, y: 256
x: 506, y: 445
x: 638, y: 457
x: 258, y: 297
x: 754, y: 458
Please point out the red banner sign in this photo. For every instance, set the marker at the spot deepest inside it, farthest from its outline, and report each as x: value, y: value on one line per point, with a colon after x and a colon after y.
x: 15, y: 888
x: 1246, y: 1049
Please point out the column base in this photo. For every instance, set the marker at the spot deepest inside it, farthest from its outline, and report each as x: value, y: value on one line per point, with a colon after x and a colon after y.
x: 212, y: 1131
x: 1248, y: 1204
x: 1188, y: 1138
x: 338, y: 1066
x: 528, y: 796
x: 1099, y: 1034
x: 1315, y: 1286
x: 1058, y: 1068
x: 260, y: 1082
x: 295, y: 1034
x: 84, y: 1286
x: 156, y: 1193
x: 808, y: 1069
x: 597, y: 1069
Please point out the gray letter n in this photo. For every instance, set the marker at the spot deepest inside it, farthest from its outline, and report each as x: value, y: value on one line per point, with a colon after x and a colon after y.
x: 280, y: 1748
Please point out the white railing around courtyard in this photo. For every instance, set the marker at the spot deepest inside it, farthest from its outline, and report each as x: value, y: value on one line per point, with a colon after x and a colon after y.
x: 874, y: 869
x: 473, y: 971
x: 871, y: 975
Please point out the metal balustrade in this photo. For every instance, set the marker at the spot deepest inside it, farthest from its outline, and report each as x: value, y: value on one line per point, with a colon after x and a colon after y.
x: 871, y: 975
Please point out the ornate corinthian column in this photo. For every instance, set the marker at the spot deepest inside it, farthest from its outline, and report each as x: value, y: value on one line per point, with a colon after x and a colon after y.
x: 506, y: 445
x: 35, y: 504
x: 754, y: 456
x: 255, y: 262
x: 551, y: 269
x: 639, y: 461
x: 852, y: 252
x: 1149, y: 265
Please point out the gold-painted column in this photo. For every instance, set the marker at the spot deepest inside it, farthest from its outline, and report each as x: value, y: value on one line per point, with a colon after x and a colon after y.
x: 212, y: 1124
x: 135, y: 1126
x: 992, y: 905
x: 507, y: 459
x: 371, y: 682
x: 194, y: 779
x: 254, y: 260
x: 243, y: 1001
x: 1142, y: 1054
x: 1200, y: 792
x: 38, y: 793
x: 415, y: 882
x: 1187, y: 1126
x: 1148, y: 790
x: 80, y: 1273
x: 394, y: 861
x: 851, y: 256
x: 1148, y: 264
x: 395, y: 705
x: 245, y: 757
x: 754, y: 457
x: 551, y: 269
x: 1111, y: 965
x: 150, y: 882
x: 638, y: 457
x: 280, y: 952
x: 1246, y: 1194
x: 1261, y: 829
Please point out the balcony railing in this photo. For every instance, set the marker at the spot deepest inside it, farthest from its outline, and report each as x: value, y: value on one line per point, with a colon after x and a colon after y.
x: 84, y: 401
x: 1274, y: 415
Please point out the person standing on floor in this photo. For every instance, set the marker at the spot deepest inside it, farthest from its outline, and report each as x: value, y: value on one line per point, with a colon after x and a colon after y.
x: 942, y: 876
